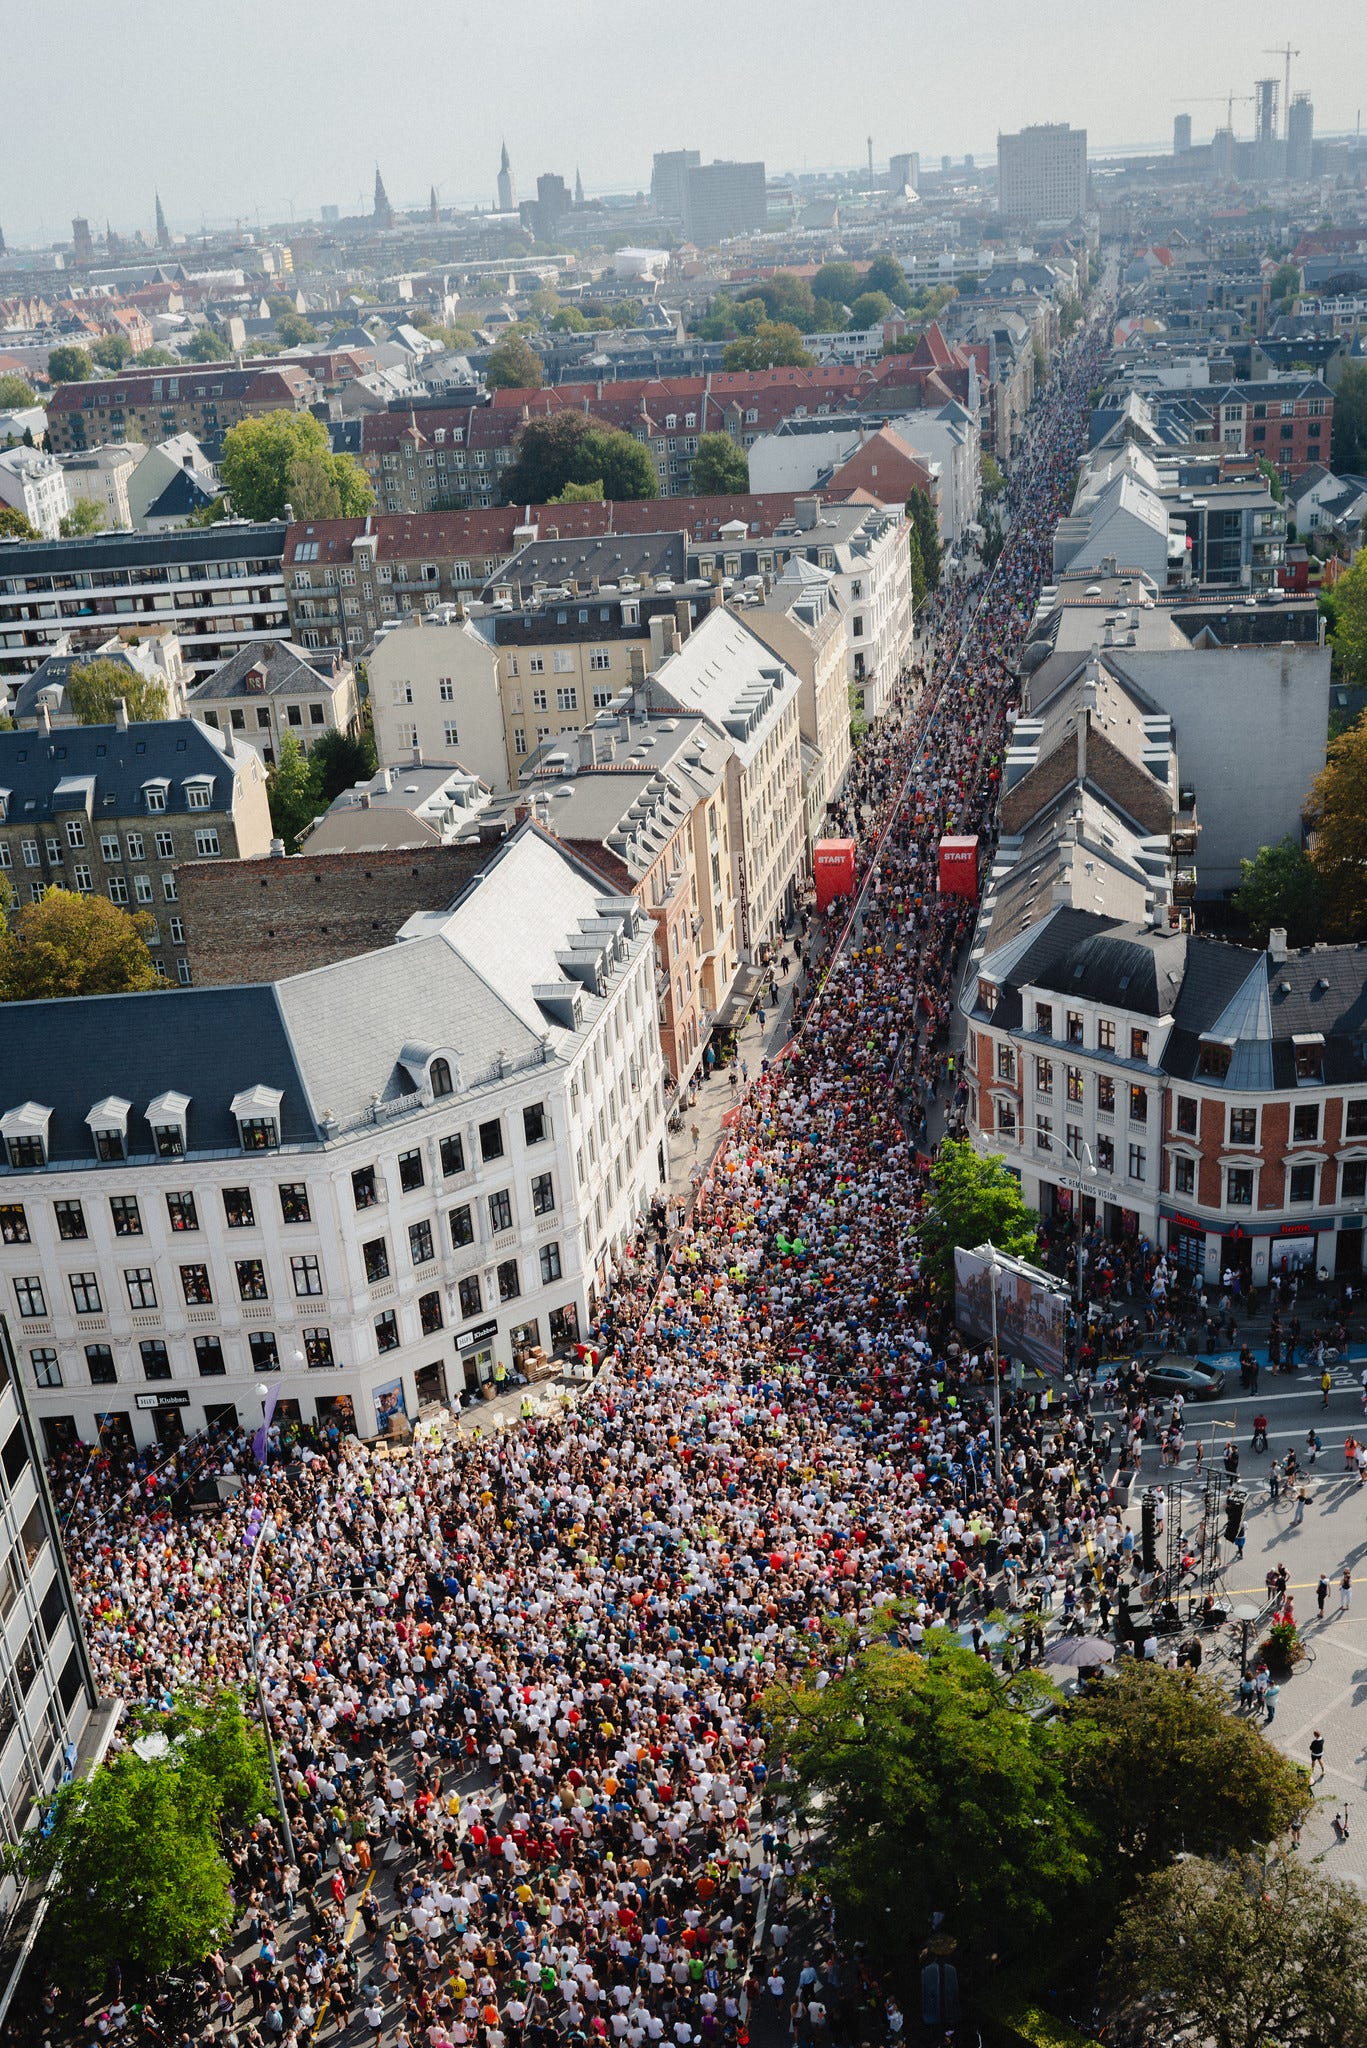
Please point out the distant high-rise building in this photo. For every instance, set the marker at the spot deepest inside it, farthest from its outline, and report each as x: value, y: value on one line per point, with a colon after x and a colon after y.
x: 1181, y: 134
x: 904, y: 171
x: 82, y: 246
x: 723, y: 199
x: 383, y: 214
x: 507, y: 190
x: 330, y: 213
x: 578, y: 187
x: 112, y: 243
x: 970, y: 163
x: 3, y: 250
x: 163, y: 232
x: 1300, y: 139
x: 1223, y: 154
x: 945, y: 162
x: 668, y: 172
x: 1265, y: 111
x: 433, y: 210
x: 1042, y: 173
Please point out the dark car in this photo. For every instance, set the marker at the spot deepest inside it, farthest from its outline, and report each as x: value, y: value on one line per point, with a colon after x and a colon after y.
x: 1185, y: 1376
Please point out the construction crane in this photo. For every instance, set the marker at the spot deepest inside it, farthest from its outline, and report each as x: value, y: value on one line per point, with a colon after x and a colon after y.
x: 1228, y: 100
x: 1285, y: 51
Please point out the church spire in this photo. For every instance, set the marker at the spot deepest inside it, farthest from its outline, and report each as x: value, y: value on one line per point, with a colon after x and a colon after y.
x: 163, y: 232
x: 507, y: 190
x: 384, y: 212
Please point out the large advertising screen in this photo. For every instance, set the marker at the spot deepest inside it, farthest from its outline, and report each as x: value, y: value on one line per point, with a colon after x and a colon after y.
x: 1032, y: 1316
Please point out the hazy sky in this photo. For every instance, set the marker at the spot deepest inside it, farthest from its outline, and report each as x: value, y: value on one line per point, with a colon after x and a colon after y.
x: 239, y: 107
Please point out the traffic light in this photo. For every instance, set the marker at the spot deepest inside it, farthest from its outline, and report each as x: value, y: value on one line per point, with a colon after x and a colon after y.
x: 1148, y: 1539
x: 1234, y: 1513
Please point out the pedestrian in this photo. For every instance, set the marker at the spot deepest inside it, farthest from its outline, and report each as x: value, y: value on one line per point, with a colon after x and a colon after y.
x: 1316, y: 1756
x: 1299, y: 1515
x: 1325, y: 1383
x: 1321, y: 1594
x: 1270, y: 1699
x: 1346, y: 1590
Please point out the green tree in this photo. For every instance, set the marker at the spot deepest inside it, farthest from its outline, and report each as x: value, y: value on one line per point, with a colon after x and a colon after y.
x: 918, y: 567
x: 294, y: 328
x: 885, y: 274
x: 942, y: 1787
x: 266, y: 458
x: 133, y: 1858
x: 870, y: 309
x: 1069, y: 316
x: 1245, y: 1954
x: 16, y: 392
x: 839, y: 281
x: 94, y: 688
x: 155, y: 359
x: 994, y: 483
x: 1337, y: 809
x: 579, y: 494
x: 565, y: 447
x: 621, y: 462
x: 204, y: 346
x: 720, y: 468
x: 1274, y: 482
x: 786, y: 297
x: 14, y: 526
x: 69, y: 364
x: 341, y: 759
x: 922, y: 515
x: 773, y: 344
x: 1286, y: 281
x: 569, y: 320
x: 86, y: 516
x: 1350, y: 421
x: 513, y: 365
x: 973, y: 1200
x: 70, y: 945
x: 294, y: 793
x: 112, y: 351
x: 1167, y: 1769
x: 1281, y: 886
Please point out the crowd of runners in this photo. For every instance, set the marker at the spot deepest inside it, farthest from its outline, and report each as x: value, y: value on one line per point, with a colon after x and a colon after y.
x: 515, y: 1680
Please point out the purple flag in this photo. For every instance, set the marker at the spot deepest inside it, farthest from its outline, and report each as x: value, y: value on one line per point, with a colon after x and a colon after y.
x: 259, y: 1440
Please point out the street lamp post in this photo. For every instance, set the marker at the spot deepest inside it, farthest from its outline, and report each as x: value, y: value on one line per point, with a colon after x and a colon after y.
x: 1090, y: 1170
x: 996, y: 1372
x: 261, y: 1690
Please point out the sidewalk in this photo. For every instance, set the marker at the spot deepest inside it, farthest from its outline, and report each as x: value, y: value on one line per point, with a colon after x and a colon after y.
x: 717, y: 1095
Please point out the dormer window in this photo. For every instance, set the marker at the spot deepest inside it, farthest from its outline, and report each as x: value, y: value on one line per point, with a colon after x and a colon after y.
x: 1309, y: 1050
x: 257, y: 1114
x: 199, y: 795
x: 154, y: 794
x: 439, y: 1074
x: 988, y: 995
x: 4, y: 805
x: 1214, y: 1057
x: 24, y: 1131
x: 166, y: 1115
x: 108, y: 1123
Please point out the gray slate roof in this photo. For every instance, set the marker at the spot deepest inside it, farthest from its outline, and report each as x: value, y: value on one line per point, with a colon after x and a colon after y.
x: 119, y: 763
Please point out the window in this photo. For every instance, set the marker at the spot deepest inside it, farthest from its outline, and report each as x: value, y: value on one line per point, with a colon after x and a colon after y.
x: 118, y: 889
x: 251, y: 1280
x: 363, y: 1191
x: 127, y: 1219
x: 430, y: 1318
x: 307, y: 1277
x: 194, y: 1282
x: 567, y: 698
x: 14, y: 1223
x: 70, y: 1221
x: 1136, y: 1162
x: 1006, y: 1119
x: 491, y: 1140
x: 1044, y: 1077
x: 197, y: 795
x: 182, y: 1212
x: 452, y: 1157
x: 1105, y: 1034
x: 1006, y: 1063
x: 85, y: 1293
x: 1309, y: 1058
x: 206, y: 841
x: 550, y: 1263
x: 564, y: 1326
x: 135, y: 843
x: 1243, y: 1127
x: 237, y: 1208
x: 420, y: 1244
x: 265, y: 1351
x: 1301, y: 1184
x: 1239, y: 1187
x: 452, y: 734
x: 375, y: 1257
x: 1305, y: 1123
x: 156, y: 799
x: 168, y: 1141
x: 1139, y: 1044
x: 500, y: 1211
x: 141, y: 1292
x: 75, y: 832
x: 439, y: 1075
x: 462, y: 1226
x: 294, y: 1202
x: 165, y: 844
x: 99, y: 1363
x: 1139, y: 1105
x: 1044, y: 1133
x: 387, y: 1331
x: 1213, y: 1059
x: 80, y: 878
x: 1184, y: 1175
x: 509, y: 1284
x: 111, y: 847
x: 1075, y: 1084
x: 543, y: 1194
x: 1353, y: 1186
x: 156, y: 1361
x: 142, y: 892
x: 1355, y: 1118
x: 168, y: 890
x: 46, y: 1371
x: 410, y: 1171
x: 26, y: 1151
x: 1044, y: 1019
x: 32, y: 857
x: 318, y: 1347
x: 209, y: 1358
x: 534, y: 1125
x: 1105, y: 1154
x: 600, y: 658
x: 471, y: 1301
x: 258, y: 1133
x: 1186, y: 1115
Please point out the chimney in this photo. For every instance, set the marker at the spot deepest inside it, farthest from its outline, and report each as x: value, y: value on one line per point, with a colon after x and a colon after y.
x: 806, y: 511
x: 289, y: 514
x: 277, y: 849
x: 588, y: 748
x: 683, y: 619
x: 636, y: 667
x: 664, y: 639
x: 1276, y: 942
x: 716, y: 598
x: 45, y: 718
x: 417, y: 757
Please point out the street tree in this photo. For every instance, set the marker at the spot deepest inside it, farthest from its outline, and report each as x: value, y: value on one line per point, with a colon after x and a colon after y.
x: 16, y: 392
x: 112, y: 351
x: 921, y: 512
x: 74, y: 945
x: 942, y: 1789
x: 1346, y: 605
x: 86, y: 516
x: 1337, y: 812
x: 293, y: 792
x: 720, y: 468
x: 993, y: 482
x: 69, y: 364
x: 266, y: 457
x: 918, y: 567
x: 973, y: 1200
x: 1350, y: 421
x: 513, y: 365
x: 94, y: 688
x: 1167, y: 1769
x: 1241, y: 1954
x: 1281, y: 886
x: 774, y: 344
x: 14, y: 526
x: 133, y: 1856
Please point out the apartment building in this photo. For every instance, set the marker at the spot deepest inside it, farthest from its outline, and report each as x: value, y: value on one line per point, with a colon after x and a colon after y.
x: 101, y: 476
x: 1287, y: 420
x: 216, y: 587
x: 271, y: 687
x: 799, y: 618
x: 110, y: 810
x: 1042, y: 173
x: 43, y: 698
x: 32, y: 484
x: 152, y: 405
x: 307, y: 1181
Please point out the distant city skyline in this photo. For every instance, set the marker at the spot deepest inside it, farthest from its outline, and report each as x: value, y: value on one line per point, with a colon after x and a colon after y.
x: 299, y: 123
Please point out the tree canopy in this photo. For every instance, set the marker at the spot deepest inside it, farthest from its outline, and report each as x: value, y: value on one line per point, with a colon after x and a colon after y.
x: 15, y: 391
x: 293, y: 793
x: 513, y: 365
x: 885, y: 274
x: 561, y: 448
x: 112, y: 351
x: 14, y: 526
x: 94, y: 688
x: 842, y: 282
x: 154, y: 358
x: 340, y: 759
x: 69, y: 363
x: 774, y: 343
x: 87, y: 515
x: 204, y: 346
x: 70, y: 945
x: 1337, y: 811
x: 973, y: 1200
x: 1350, y: 420
x: 921, y: 513
x: 283, y: 458
x: 1281, y: 886
x: 720, y: 468
x: 1346, y: 605
x: 870, y: 309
